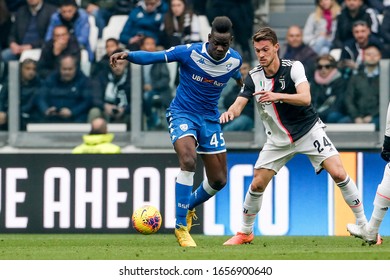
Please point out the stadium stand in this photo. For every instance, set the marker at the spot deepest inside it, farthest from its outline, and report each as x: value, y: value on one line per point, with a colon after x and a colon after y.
x: 33, y: 54
x: 71, y: 127
x: 336, y: 53
x: 204, y: 28
x: 93, y: 33
x: 85, y: 64
x: 279, y: 14
x: 114, y: 27
x: 284, y: 13
x: 112, y: 30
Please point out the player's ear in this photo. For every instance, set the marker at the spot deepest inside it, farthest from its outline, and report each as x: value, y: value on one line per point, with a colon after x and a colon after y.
x: 209, y: 37
x: 277, y: 46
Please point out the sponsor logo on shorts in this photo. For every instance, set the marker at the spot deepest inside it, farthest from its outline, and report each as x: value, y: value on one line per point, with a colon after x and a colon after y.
x: 184, y: 127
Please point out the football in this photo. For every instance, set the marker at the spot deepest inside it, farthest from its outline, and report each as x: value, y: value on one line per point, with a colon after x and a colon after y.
x: 146, y: 219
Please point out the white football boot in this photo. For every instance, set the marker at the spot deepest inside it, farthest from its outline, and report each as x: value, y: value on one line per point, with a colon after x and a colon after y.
x: 362, y: 232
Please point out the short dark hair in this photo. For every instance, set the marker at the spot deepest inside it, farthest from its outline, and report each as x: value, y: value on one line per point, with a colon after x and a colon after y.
x: 68, y: 3
x: 73, y: 57
x: 222, y: 24
x: 60, y: 26
x: 144, y: 38
x: 28, y: 61
x: 116, y: 41
x: 265, y: 34
x: 374, y: 45
x: 119, y: 50
x: 360, y: 22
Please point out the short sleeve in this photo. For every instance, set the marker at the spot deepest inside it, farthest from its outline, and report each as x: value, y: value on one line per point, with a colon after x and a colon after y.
x: 298, y: 73
x: 248, y: 88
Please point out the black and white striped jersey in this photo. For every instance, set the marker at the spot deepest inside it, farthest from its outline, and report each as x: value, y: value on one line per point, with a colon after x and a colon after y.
x: 284, y: 123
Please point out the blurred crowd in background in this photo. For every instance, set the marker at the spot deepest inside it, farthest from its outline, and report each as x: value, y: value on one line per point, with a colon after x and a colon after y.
x: 340, y: 45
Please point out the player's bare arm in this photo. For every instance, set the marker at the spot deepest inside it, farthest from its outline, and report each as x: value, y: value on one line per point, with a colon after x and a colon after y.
x: 302, y: 98
x: 117, y: 56
x: 240, y: 82
x: 234, y: 110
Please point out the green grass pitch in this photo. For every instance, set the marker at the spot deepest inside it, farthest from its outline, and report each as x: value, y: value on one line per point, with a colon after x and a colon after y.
x: 165, y: 247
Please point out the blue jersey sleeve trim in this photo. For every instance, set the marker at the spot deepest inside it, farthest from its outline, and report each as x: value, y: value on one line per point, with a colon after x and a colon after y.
x: 144, y: 57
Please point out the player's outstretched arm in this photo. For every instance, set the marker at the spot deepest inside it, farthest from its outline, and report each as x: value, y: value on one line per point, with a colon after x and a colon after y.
x: 140, y: 57
x: 234, y: 110
x: 118, y: 56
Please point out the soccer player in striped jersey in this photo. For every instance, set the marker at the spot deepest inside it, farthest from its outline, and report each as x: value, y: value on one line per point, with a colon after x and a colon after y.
x: 369, y: 232
x: 193, y: 115
x: 292, y: 126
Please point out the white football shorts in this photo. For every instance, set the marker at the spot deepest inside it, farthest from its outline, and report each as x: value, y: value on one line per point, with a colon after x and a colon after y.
x: 315, y: 144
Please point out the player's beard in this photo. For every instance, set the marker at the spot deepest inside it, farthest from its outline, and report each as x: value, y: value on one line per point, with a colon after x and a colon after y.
x: 268, y: 63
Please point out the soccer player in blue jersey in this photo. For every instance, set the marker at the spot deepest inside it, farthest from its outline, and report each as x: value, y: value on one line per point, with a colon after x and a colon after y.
x: 193, y: 115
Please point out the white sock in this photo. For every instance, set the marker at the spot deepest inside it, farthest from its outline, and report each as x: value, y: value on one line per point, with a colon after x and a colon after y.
x: 208, y: 188
x: 185, y: 178
x: 351, y: 196
x: 252, y: 206
x: 381, y: 202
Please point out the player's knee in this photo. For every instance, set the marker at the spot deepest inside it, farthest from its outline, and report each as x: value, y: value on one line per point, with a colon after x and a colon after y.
x: 339, y: 175
x: 188, y: 162
x: 261, y: 179
x: 219, y: 184
x: 258, y: 187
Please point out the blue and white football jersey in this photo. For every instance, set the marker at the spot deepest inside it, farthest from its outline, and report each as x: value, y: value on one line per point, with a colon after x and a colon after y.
x: 202, y: 78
